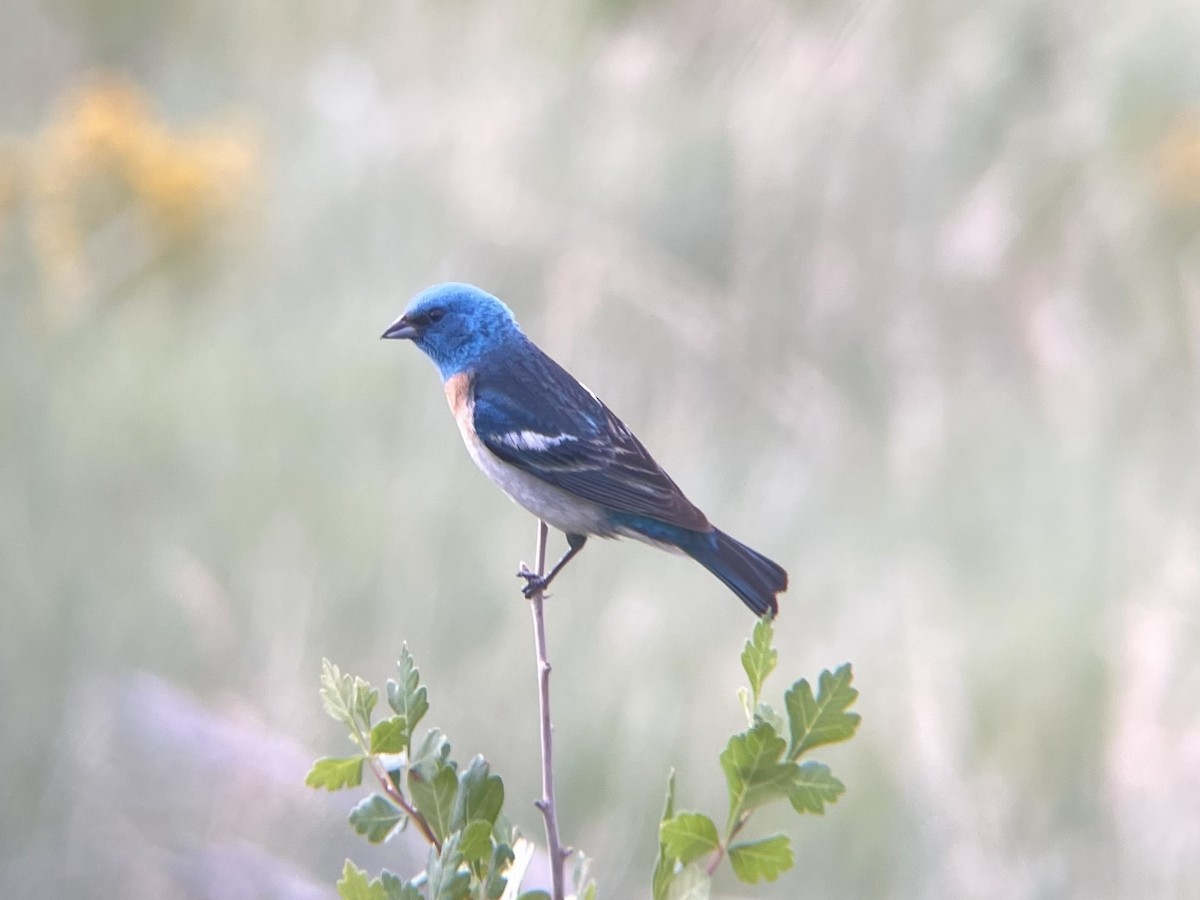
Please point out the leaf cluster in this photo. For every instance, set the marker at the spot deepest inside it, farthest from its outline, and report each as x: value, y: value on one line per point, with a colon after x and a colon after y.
x: 459, y: 810
x: 474, y: 853
x: 762, y: 765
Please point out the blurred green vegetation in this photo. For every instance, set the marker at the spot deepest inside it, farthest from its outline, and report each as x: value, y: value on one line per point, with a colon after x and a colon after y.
x: 905, y: 295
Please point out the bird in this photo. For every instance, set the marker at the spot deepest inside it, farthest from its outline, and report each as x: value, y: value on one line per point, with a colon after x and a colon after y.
x: 555, y: 449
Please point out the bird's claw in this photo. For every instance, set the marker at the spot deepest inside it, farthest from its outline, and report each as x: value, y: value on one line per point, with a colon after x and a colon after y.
x: 533, y: 582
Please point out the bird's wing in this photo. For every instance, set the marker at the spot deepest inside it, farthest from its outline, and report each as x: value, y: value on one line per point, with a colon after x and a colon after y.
x: 531, y: 413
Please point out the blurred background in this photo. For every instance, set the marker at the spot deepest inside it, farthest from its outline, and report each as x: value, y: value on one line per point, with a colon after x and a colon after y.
x: 905, y: 295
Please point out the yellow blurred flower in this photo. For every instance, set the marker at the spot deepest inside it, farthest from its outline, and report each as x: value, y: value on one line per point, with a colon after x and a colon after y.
x: 102, y: 125
x: 1178, y: 163
x: 105, y: 170
x: 186, y: 181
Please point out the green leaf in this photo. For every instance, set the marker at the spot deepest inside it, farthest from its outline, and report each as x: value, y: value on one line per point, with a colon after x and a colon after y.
x: 690, y: 884
x: 390, y: 736
x: 335, y: 772
x: 434, y: 748
x: 353, y: 885
x: 396, y: 889
x: 495, y: 885
x: 503, y: 831
x: 581, y: 877
x: 822, y: 720
x: 688, y: 836
x: 480, y: 795
x: 407, y: 697
x: 768, y: 858
x: 446, y: 879
x: 364, y: 701
x: 767, y: 714
x: 346, y: 698
x: 815, y: 787
x: 502, y: 858
x: 669, y: 805
x: 335, y: 692
x: 759, y: 657
x: 476, y: 841
x: 753, y: 771
x: 434, y: 786
x: 375, y: 817
x: 664, y: 866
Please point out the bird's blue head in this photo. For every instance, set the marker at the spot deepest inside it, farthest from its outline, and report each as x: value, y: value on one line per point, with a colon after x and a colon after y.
x: 455, y: 324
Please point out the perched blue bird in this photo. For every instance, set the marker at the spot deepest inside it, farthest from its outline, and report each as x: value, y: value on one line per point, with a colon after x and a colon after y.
x: 553, y: 447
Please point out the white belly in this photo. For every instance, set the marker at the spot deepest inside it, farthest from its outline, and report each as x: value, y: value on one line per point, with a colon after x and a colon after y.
x: 552, y: 505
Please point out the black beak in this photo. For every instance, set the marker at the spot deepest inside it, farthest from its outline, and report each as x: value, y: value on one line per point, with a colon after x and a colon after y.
x: 400, y: 330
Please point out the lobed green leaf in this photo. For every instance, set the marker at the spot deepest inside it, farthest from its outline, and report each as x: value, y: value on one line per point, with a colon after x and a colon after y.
x: 354, y: 885
x: 346, y: 698
x: 767, y: 858
x: 815, y: 787
x: 407, y: 696
x: 433, y: 748
x: 375, y: 817
x: 823, y: 719
x: 335, y: 692
x: 390, y: 736
x: 753, y: 771
x: 480, y: 795
x: 335, y: 772
x: 396, y: 889
x: 434, y: 787
x: 446, y: 880
x: 688, y: 836
x: 476, y: 841
x: 365, y: 698
x: 759, y: 657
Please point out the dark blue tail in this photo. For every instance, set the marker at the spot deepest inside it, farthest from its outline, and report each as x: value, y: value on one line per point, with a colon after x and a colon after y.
x: 746, y: 572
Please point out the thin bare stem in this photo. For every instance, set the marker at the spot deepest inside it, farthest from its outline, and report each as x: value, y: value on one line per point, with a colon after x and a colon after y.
x: 391, y: 789
x: 558, y: 854
x: 394, y: 794
x: 715, y: 861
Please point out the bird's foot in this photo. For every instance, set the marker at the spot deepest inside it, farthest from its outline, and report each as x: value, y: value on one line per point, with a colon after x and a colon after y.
x: 533, y: 582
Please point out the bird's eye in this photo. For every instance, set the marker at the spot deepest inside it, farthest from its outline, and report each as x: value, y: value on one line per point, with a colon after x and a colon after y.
x: 435, y: 315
